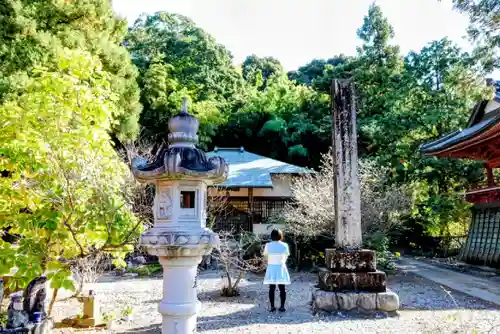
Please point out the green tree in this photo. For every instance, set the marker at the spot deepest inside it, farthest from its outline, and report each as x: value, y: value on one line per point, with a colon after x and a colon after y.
x: 64, y: 192
x: 444, y: 85
x: 284, y: 121
x: 484, y: 29
x: 33, y: 32
x: 176, y: 58
x: 198, y: 63
x: 404, y: 102
x: 377, y: 71
x: 427, y: 95
x: 257, y: 71
x: 305, y: 75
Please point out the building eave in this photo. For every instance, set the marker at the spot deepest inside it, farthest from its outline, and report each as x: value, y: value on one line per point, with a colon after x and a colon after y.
x: 460, y: 140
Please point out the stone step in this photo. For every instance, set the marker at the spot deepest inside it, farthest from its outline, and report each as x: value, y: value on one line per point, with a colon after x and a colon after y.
x: 348, y: 261
x: 338, y: 282
x: 331, y: 301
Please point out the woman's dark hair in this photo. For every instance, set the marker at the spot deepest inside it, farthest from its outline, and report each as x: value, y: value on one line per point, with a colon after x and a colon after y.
x: 276, y: 235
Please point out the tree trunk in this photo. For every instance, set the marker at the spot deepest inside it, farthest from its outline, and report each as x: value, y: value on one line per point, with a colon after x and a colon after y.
x: 52, y: 302
x: 240, y: 276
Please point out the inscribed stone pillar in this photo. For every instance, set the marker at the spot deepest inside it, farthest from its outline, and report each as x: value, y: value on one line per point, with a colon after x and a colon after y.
x: 345, y: 158
x: 350, y: 279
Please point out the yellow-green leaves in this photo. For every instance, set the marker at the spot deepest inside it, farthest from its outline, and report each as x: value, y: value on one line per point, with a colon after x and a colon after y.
x: 119, y: 263
x: 67, y: 193
x: 61, y: 279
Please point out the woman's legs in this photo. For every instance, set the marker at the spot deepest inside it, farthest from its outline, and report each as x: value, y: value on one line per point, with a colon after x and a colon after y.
x: 272, y: 289
x: 282, y: 296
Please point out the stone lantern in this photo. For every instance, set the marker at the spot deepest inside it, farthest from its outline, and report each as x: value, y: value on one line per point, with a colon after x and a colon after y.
x: 179, y: 237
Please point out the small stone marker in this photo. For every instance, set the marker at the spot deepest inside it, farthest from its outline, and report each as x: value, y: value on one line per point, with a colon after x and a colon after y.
x: 91, y: 308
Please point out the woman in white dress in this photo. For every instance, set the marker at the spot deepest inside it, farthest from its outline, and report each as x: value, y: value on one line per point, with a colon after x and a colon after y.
x: 276, y: 253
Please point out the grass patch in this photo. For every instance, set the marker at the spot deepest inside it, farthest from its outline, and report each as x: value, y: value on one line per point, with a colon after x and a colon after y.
x: 146, y: 269
x: 3, y: 319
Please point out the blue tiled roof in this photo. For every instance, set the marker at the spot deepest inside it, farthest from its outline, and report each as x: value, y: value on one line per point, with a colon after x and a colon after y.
x: 250, y: 170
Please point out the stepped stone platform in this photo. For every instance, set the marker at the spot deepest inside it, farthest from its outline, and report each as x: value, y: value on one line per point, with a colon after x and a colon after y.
x: 351, y: 281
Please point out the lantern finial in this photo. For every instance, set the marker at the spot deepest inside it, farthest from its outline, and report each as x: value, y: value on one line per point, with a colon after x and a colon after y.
x: 184, y: 109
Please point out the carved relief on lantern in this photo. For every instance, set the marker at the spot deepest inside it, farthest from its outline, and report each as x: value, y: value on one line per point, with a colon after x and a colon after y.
x: 164, y: 208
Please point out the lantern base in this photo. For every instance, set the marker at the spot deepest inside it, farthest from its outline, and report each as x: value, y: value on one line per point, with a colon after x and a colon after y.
x: 180, y: 305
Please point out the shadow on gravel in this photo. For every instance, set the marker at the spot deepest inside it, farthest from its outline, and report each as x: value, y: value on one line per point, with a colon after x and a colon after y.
x: 415, y: 293
x: 247, y: 296
x: 152, y: 329
x: 293, y: 316
x: 111, y: 278
x: 257, y: 316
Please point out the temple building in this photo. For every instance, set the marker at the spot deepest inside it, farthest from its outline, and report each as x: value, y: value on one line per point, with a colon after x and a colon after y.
x: 254, y: 194
x: 479, y: 141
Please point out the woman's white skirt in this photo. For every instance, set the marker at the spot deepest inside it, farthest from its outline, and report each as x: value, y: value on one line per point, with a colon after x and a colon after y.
x: 277, y: 274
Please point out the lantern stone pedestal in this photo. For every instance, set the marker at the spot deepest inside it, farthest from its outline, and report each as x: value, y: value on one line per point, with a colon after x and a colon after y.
x: 179, y: 254
x: 179, y: 237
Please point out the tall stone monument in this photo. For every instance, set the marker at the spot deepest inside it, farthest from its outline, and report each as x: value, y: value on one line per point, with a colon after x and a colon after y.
x: 351, y: 279
x: 345, y: 159
x: 179, y: 237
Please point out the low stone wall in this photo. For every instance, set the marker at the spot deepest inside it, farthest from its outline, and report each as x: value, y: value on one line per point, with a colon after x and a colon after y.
x: 330, y: 301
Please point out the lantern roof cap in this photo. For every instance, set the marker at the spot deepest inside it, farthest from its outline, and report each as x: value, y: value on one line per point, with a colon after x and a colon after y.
x: 183, y: 128
x: 181, y: 159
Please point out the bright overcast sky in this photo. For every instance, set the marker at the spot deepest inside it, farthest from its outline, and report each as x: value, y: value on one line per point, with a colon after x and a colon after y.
x: 297, y: 31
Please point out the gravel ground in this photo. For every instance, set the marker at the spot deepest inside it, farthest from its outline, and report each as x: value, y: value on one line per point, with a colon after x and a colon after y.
x: 425, y: 308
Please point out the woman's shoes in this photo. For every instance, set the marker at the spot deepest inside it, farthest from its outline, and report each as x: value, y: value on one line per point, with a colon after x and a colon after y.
x: 273, y: 309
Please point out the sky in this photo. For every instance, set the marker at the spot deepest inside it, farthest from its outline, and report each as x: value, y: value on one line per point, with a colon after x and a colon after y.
x: 297, y: 31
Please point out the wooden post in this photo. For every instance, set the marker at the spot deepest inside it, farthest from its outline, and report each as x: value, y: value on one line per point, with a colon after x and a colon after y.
x: 250, y: 207
x: 489, y: 175
x: 345, y: 164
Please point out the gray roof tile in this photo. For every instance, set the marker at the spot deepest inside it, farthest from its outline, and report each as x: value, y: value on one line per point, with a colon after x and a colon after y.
x: 250, y: 170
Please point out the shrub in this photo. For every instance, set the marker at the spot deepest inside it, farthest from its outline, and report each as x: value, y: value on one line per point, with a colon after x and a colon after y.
x: 312, y: 213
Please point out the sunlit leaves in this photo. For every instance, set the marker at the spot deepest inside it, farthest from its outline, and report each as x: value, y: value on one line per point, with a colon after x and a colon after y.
x: 67, y: 193
x: 60, y: 278
x: 484, y: 29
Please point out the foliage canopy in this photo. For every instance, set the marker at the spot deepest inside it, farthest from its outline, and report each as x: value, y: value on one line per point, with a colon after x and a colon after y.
x: 65, y: 193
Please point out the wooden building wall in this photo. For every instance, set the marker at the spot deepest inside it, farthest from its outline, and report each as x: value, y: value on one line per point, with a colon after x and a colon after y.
x: 242, y: 212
